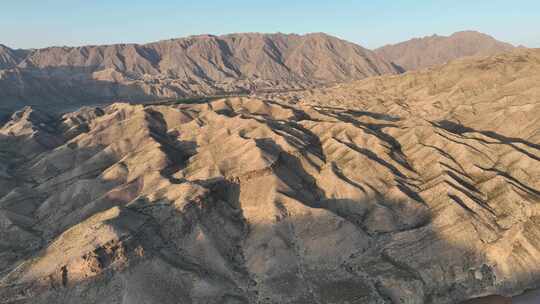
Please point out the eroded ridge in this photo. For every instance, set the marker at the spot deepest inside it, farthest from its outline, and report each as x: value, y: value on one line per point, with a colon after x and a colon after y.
x: 310, y: 199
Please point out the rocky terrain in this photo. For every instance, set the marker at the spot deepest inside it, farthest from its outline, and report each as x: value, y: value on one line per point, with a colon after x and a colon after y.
x: 418, y: 188
x: 434, y: 50
x: 58, y: 77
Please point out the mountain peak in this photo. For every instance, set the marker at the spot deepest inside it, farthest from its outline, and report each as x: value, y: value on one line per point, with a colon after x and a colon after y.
x: 375, y: 191
x: 192, y: 66
x: 434, y: 50
x: 471, y: 34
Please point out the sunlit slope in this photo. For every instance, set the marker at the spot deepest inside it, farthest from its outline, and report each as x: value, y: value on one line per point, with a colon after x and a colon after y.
x: 420, y: 188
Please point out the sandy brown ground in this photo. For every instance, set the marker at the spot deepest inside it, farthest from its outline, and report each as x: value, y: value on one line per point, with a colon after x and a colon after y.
x: 421, y: 188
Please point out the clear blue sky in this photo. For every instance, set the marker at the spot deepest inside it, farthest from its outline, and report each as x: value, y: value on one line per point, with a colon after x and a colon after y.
x: 371, y: 23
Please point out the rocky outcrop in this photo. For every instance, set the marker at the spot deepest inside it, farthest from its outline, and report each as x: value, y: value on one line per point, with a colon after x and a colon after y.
x: 416, y: 188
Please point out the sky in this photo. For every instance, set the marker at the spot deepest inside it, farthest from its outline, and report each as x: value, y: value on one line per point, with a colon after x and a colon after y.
x: 42, y: 23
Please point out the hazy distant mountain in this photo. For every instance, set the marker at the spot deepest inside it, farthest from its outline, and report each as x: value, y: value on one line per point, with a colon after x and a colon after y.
x: 197, y: 65
x: 424, y: 52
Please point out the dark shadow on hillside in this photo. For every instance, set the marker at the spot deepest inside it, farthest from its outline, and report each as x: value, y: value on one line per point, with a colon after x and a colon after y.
x: 398, y: 68
x: 464, y: 132
x: 178, y: 152
x: 64, y: 89
x: 372, y: 128
x: 4, y: 116
x: 413, y: 262
x: 305, y: 190
x: 468, y: 133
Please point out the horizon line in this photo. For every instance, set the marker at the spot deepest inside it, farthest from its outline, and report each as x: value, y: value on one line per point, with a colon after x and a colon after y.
x: 255, y: 33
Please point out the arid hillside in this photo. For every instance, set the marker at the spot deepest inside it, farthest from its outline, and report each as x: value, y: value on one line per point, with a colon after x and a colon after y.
x: 434, y: 50
x: 10, y: 58
x: 420, y: 188
x: 59, y: 77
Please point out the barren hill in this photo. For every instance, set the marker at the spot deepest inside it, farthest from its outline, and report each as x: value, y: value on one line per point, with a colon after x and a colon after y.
x: 10, y: 58
x: 418, y: 188
x: 434, y: 50
x: 197, y: 65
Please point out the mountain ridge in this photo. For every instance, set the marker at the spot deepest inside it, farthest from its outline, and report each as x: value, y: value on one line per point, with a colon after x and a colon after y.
x: 364, y: 192
x: 195, y: 65
x: 61, y: 77
x: 418, y: 53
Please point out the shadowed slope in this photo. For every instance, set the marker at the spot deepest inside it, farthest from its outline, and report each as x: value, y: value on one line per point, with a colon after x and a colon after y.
x: 394, y: 194
x: 169, y: 69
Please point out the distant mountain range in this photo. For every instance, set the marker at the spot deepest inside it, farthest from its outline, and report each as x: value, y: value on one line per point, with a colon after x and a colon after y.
x: 198, y: 65
x: 61, y: 78
x: 434, y: 50
x: 416, y: 188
